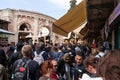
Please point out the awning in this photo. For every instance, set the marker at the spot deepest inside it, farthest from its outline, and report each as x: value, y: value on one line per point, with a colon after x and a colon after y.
x: 2, y: 31
x: 84, y: 31
x: 114, y: 15
x: 72, y: 20
x: 3, y: 21
x: 77, y: 31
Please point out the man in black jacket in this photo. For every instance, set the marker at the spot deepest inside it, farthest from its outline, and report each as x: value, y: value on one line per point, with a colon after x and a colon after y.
x: 17, y: 55
x: 33, y: 66
x: 79, y: 69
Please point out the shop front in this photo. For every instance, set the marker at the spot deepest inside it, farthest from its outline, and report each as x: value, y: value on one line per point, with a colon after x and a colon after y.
x: 114, y: 24
x: 4, y: 33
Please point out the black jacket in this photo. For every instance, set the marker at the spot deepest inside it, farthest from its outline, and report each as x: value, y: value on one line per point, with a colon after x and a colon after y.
x: 78, y: 71
x: 61, y: 68
x: 34, y: 69
x: 3, y: 58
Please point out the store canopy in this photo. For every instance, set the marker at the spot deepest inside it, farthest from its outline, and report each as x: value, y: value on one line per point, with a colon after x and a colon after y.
x: 72, y: 20
x: 77, y: 31
x: 2, y: 31
x: 115, y: 14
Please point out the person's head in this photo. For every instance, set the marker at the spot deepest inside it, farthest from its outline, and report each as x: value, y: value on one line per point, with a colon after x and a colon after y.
x: 109, y: 65
x: 46, y: 67
x: 27, y: 51
x: 94, y: 51
x: 79, y: 58
x: 66, y: 57
x: 53, y: 49
x: 40, y: 46
x: 100, y: 48
x: 19, y: 46
x: 55, y: 64
x: 91, y: 64
x: 10, y: 50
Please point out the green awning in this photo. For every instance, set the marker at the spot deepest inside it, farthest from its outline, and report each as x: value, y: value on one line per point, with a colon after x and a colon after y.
x: 2, y: 31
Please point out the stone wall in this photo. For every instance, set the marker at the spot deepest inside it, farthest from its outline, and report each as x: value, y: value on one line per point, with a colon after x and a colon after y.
x: 34, y: 21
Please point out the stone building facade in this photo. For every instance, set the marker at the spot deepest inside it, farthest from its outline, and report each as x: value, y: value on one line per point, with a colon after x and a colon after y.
x: 24, y: 23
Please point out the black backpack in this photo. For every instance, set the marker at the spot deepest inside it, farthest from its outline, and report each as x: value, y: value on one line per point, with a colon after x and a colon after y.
x: 22, y: 70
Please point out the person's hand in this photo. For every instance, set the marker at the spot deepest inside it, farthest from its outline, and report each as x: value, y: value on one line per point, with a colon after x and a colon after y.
x: 79, y: 78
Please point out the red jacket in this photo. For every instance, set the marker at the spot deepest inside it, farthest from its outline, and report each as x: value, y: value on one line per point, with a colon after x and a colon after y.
x: 54, y: 76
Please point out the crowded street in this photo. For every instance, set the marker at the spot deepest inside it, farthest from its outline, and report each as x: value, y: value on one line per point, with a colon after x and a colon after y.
x: 47, y: 40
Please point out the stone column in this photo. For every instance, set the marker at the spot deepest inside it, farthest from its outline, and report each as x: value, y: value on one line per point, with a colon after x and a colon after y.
x: 35, y: 28
x: 14, y: 38
x: 50, y: 29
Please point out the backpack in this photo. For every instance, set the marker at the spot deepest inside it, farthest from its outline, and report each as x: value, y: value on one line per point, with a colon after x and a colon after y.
x: 22, y: 70
x: 38, y: 57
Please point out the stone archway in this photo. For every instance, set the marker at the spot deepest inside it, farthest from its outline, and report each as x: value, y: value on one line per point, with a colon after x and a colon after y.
x: 21, y: 21
x: 24, y: 30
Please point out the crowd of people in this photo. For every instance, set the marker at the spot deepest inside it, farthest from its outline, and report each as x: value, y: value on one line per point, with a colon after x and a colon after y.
x: 58, y: 62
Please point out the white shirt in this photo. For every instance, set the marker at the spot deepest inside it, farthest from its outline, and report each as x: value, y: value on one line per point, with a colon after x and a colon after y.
x: 87, y: 77
x: 100, y: 54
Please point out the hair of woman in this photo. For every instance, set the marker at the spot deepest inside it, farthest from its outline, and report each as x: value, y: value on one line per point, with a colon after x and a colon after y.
x: 45, y: 66
x: 109, y: 65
